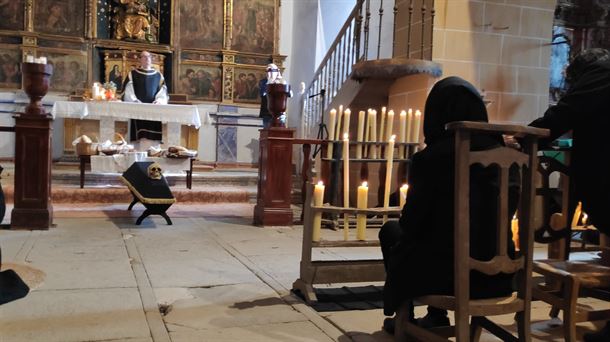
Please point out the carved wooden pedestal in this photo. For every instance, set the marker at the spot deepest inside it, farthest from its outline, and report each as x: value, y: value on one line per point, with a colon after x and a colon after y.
x: 33, y: 209
x: 275, y: 178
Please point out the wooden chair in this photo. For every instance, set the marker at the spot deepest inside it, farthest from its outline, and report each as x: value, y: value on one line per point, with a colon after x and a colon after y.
x: 460, y: 302
x: 565, y: 281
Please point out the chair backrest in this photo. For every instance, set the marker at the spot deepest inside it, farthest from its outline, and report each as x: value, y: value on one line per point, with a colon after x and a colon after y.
x: 503, y: 158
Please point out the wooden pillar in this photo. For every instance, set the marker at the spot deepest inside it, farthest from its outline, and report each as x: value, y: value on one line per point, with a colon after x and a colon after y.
x: 273, y: 198
x: 32, y: 199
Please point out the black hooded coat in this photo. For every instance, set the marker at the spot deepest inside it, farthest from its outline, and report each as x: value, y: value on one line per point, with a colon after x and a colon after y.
x: 585, y: 109
x: 421, y: 263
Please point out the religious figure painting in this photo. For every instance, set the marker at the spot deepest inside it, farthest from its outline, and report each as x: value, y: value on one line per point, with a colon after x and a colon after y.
x: 69, y: 71
x: 10, y: 70
x: 136, y: 20
x: 253, y: 25
x: 245, y: 86
x: 65, y: 17
x: 200, y: 82
x: 201, y: 24
x: 12, y: 14
x: 114, y: 74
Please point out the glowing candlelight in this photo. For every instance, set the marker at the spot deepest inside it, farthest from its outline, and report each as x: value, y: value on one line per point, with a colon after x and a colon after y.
x: 514, y: 227
x: 389, y: 155
x: 331, y: 130
x: 577, y: 213
x: 403, y: 194
x: 362, y: 203
x: 360, y: 134
x: 318, y: 198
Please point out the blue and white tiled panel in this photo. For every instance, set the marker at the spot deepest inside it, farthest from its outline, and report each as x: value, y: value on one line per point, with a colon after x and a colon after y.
x: 235, y: 143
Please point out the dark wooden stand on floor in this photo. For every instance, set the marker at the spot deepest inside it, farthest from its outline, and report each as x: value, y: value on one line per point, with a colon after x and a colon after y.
x: 151, y: 209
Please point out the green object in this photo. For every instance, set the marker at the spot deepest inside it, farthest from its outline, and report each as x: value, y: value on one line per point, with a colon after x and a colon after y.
x: 557, y: 155
x: 563, y: 142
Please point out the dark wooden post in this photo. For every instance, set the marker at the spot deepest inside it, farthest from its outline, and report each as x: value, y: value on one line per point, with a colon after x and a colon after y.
x: 274, y: 178
x: 32, y: 200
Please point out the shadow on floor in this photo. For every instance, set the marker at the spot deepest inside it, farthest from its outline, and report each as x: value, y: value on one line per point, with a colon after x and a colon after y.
x: 347, y: 298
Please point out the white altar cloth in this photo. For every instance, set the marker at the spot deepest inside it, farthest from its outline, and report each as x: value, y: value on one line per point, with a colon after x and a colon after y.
x: 183, y: 114
x: 118, y: 163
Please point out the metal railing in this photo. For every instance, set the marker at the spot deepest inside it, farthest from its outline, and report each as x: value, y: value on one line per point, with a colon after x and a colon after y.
x: 352, y: 45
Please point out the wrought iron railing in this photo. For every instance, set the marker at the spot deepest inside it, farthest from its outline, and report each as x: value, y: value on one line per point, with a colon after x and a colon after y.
x: 352, y: 45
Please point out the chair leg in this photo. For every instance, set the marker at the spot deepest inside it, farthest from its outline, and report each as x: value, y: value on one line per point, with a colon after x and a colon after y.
x: 400, y: 320
x: 554, y: 313
x: 523, y: 326
x: 475, y: 329
x: 569, y: 313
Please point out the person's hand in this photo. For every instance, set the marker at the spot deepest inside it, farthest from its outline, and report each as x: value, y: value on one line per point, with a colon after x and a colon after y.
x: 511, y: 141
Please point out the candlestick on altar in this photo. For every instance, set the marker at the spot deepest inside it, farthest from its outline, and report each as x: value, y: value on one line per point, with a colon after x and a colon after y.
x: 339, y: 120
x: 362, y: 203
x: 389, y: 155
x: 403, y: 133
x: 360, y: 134
x: 318, y: 198
x: 416, y: 126
x: 331, y: 130
x: 345, y: 185
x: 403, y: 194
x: 382, y: 125
x: 373, y: 131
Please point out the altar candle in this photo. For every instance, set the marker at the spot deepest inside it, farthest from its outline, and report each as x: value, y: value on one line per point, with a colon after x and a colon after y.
x: 345, y: 185
x: 409, y: 124
x: 382, y: 124
x: 403, y: 133
x: 390, y: 124
x: 362, y: 203
x: 346, y: 117
x: 373, y: 124
x: 331, y: 130
x: 584, y: 219
x: 577, y: 213
x: 403, y: 194
x: 416, y: 126
x: 389, y: 155
x: 318, y: 198
x: 360, y: 134
x: 367, y: 132
x: 514, y: 227
x: 43, y: 60
x: 29, y: 59
x: 339, y: 119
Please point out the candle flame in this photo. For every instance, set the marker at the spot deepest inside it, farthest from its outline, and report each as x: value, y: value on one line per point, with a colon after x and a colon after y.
x: 584, y: 218
x: 333, y: 111
x: 405, y: 186
x: 391, y: 112
x: 403, y: 113
x: 320, y: 183
x: 410, y: 111
x: 347, y: 111
x: 383, y: 109
x: 515, y: 216
x: 345, y: 136
x: 365, y: 184
x: 393, y: 138
x: 417, y: 113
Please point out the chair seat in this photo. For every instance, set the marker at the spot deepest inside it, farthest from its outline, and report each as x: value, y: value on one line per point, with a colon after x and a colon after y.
x: 477, y: 307
x: 589, y: 274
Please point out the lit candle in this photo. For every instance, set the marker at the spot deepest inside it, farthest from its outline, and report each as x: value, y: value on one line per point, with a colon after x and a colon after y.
x: 29, y: 59
x: 403, y: 194
x: 403, y: 133
x: 43, y: 60
x: 345, y: 185
x: 409, y: 124
x: 318, y: 198
x: 389, y: 155
x: 363, y: 192
x: 416, y: 124
x: 390, y: 124
x: 584, y: 219
x: 339, y: 119
x: 331, y: 130
x: 514, y: 227
x: 346, y: 116
x: 373, y: 124
x: 577, y: 213
x: 367, y: 132
x: 360, y: 134
x: 382, y: 124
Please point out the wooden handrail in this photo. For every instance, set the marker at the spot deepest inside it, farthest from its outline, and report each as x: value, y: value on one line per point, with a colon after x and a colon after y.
x: 500, y: 128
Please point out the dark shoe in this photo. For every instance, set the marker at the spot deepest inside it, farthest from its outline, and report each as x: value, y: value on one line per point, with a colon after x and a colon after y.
x: 433, y: 320
x: 600, y: 336
x: 389, y: 325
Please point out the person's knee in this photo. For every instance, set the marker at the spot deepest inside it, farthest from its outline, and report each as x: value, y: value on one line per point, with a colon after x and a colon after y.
x: 389, y: 232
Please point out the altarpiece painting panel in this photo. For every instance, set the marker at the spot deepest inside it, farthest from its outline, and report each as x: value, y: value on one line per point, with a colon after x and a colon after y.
x: 10, y: 67
x: 245, y: 88
x: 12, y: 14
x: 200, y: 81
x: 201, y: 24
x: 62, y: 17
x: 253, y: 26
x: 69, y: 70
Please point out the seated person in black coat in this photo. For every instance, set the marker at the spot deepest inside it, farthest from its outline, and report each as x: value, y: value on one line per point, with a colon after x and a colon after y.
x: 418, y: 249
x: 584, y: 111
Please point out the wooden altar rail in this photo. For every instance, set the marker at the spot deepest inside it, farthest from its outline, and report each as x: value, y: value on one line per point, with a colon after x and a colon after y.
x: 335, y: 271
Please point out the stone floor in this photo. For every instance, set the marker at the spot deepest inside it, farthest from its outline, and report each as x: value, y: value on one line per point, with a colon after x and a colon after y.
x: 209, y: 277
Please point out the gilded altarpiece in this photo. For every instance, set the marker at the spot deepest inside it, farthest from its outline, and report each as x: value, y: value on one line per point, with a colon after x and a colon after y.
x: 214, y: 51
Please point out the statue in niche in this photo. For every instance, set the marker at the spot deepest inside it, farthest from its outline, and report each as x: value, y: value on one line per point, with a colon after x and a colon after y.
x: 134, y: 20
